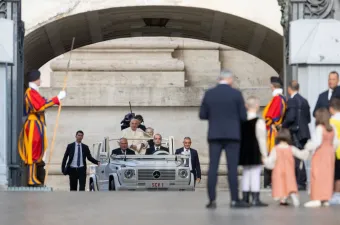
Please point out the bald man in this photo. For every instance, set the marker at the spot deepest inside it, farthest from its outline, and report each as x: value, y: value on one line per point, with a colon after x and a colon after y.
x: 123, y: 148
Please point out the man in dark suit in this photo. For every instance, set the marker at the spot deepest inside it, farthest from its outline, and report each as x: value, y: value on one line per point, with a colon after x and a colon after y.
x: 224, y: 108
x: 74, y: 162
x: 194, y: 163
x: 296, y: 120
x: 324, y: 97
x: 123, y: 148
x: 157, y: 139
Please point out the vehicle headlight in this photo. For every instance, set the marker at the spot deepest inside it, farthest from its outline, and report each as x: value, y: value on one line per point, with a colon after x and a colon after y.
x: 92, y: 169
x: 129, y: 173
x: 179, y: 161
x: 183, y: 173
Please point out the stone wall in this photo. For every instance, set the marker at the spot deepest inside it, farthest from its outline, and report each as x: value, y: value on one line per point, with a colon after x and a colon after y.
x: 163, y: 78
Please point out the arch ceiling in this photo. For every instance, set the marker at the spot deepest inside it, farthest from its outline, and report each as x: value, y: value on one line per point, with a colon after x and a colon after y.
x: 54, y: 38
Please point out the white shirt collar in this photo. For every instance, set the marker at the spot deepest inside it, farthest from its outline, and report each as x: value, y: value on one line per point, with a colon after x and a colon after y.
x: 33, y: 86
x: 222, y: 82
x: 251, y: 115
x: 283, y: 145
x: 277, y: 91
x: 292, y: 96
x: 184, y: 149
x: 336, y: 116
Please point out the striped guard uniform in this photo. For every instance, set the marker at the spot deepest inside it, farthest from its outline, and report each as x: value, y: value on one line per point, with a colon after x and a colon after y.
x: 33, y: 139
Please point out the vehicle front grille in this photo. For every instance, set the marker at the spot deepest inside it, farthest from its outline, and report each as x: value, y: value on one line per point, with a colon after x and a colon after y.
x: 151, y: 174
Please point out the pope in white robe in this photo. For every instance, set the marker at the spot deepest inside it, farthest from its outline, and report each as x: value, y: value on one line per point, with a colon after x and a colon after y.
x: 133, y: 132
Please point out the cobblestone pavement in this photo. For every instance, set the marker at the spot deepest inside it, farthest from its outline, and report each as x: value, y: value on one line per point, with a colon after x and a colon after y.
x: 161, y: 208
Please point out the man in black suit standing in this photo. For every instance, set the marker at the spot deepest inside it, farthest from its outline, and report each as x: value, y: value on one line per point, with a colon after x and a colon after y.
x: 296, y: 120
x: 157, y: 139
x: 324, y: 97
x: 194, y: 163
x: 74, y: 162
x: 224, y: 108
x: 123, y: 148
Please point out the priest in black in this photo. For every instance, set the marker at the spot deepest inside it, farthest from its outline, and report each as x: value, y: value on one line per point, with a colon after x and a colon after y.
x: 252, y: 149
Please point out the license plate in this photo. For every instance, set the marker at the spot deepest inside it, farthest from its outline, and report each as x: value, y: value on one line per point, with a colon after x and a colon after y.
x: 158, y: 185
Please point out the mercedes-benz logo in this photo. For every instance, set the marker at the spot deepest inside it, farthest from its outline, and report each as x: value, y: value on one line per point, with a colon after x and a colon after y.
x: 156, y: 174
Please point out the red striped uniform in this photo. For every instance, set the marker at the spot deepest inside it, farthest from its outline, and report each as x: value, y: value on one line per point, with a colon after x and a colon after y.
x: 273, y: 115
x: 33, y: 138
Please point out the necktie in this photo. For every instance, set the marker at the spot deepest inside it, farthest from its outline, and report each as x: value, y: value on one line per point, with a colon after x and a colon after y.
x: 157, y: 148
x: 188, y: 161
x: 78, y: 160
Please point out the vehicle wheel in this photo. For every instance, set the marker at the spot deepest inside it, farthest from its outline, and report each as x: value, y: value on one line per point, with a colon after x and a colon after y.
x: 112, y: 186
x: 91, y: 185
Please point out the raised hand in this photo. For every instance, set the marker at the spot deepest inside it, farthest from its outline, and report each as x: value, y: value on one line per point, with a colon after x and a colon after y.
x: 61, y: 95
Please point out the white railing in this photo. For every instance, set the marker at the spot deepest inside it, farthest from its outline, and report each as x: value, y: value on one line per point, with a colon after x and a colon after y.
x: 104, y: 148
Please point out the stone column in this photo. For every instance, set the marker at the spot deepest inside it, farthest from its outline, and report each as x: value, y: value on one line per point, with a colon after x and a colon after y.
x: 13, y: 29
x: 311, y: 62
x: 6, y: 57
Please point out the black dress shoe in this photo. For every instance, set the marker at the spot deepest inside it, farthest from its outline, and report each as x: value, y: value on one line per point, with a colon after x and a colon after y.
x: 211, y: 205
x: 302, y: 188
x: 245, y: 196
x: 239, y: 204
x: 284, y: 203
x: 256, y: 200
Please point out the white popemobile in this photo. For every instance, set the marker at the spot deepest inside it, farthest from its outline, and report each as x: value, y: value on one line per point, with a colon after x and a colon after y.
x: 160, y: 171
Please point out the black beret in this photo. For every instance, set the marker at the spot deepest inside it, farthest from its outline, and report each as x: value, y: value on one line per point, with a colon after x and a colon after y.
x: 33, y: 75
x: 275, y: 80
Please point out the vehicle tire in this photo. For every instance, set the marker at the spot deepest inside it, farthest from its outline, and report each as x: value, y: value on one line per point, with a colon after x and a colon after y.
x: 112, y: 186
x: 91, y: 185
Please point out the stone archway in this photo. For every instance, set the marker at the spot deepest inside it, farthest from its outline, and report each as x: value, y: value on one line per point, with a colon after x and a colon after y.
x: 54, y: 38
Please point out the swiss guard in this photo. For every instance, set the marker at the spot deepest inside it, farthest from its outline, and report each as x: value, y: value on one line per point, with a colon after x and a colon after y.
x: 33, y: 139
x: 273, y: 114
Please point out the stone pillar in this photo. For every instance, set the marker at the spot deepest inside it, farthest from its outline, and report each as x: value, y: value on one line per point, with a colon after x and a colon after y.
x: 201, y: 60
x: 6, y: 57
x: 313, y: 58
x: 12, y: 41
x: 310, y: 10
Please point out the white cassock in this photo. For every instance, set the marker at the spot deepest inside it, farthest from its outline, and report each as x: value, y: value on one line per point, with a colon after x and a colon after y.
x: 128, y: 133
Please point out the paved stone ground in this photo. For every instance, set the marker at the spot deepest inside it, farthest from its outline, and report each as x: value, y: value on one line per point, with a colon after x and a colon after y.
x: 159, y: 208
